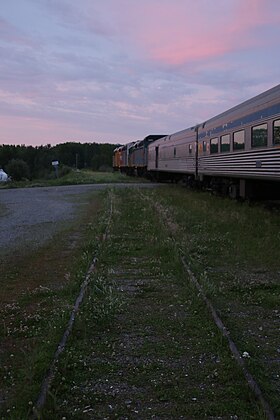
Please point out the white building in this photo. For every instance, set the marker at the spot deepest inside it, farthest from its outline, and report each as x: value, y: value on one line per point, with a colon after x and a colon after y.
x: 3, y: 176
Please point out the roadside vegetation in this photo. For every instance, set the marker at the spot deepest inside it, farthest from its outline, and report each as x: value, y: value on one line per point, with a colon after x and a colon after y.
x: 37, y: 293
x: 74, y: 177
x: 144, y: 345
x: 233, y: 249
x: 31, y: 162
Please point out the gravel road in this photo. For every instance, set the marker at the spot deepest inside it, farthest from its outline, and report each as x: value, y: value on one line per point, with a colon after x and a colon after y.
x: 31, y: 216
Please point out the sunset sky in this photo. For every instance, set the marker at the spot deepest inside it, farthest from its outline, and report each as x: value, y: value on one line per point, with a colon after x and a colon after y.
x: 117, y: 70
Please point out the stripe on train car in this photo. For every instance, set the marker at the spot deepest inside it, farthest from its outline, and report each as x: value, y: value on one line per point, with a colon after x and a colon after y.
x: 256, y: 163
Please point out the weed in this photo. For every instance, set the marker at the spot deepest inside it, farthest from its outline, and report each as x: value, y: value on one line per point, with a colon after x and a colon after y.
x: 158, y: 354
x: 75, y: 178
x: 36, y: 316
x: 143, y: 343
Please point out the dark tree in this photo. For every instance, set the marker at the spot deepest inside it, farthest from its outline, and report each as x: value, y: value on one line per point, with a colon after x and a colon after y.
x: 73, y: 154
x: 17, y: 169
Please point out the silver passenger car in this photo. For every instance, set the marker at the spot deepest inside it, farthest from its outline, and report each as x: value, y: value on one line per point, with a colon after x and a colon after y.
x: 237, y: 151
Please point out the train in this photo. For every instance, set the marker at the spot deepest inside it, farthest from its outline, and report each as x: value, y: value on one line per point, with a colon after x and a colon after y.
x: 132, y: 158
x: 236, y: 153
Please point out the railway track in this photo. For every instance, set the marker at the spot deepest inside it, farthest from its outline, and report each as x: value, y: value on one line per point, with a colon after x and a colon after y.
x: 162, y: 356
x: 50, y: 374
x: 237, y: 354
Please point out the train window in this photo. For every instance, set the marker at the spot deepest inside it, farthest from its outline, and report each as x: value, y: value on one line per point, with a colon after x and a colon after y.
x: 259, y: 135
x: 204, y: 146
x: 225, y: 143
x: 276, y: 132
x: 214, y: 145
x: 190, y: 148
x: 174, y: 152
x: 239, y: 140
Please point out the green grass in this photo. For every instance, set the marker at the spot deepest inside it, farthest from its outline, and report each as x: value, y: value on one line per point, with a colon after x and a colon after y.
x: 75, y: 177
x: 159, y: 354
x: 233, y: 248
x: 35, y: 313
x: 144, y: 344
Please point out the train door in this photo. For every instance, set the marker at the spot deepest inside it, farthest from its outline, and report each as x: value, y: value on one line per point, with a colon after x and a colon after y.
x: 157, y: 157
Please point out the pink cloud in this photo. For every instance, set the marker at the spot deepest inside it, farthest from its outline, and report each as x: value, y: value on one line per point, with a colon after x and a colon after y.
x: 179, y: 32
x: 9, y: 33
x: 38, y: 131
x: 34, y: 131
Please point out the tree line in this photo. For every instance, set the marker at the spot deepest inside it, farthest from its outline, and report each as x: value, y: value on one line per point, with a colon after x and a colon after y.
x: 36, y: 162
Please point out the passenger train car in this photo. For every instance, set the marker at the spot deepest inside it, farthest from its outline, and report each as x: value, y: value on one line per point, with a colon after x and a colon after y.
x: 236, y: 152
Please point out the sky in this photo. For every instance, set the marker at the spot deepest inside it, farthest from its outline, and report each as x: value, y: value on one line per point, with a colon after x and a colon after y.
x: 115, y: 71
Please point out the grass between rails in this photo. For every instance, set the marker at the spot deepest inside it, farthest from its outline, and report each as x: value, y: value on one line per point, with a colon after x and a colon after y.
x: 144, y: 345
x: 37, y: 295
x: 234, y: 250
x: 75, y: 177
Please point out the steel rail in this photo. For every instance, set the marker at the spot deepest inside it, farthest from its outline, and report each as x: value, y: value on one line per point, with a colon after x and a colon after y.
x: 50, y: 374
x: 219, y: 323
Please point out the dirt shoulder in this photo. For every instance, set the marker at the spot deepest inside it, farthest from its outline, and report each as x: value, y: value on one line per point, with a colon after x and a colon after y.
x: 29, y: 217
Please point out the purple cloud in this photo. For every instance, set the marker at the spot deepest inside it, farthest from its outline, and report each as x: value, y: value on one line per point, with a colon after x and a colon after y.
x: 88, y: 71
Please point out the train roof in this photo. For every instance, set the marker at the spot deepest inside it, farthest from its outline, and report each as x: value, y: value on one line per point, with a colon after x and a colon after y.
x: 152, y: 137
x: 249, y: 106
x: 246, y: 107
x: 149, y: 139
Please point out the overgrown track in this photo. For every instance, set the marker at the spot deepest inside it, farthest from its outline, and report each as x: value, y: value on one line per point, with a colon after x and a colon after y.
x: 50, y: 374
x: 38, y: 291
x: 144, y: 345
x: 214, y: 313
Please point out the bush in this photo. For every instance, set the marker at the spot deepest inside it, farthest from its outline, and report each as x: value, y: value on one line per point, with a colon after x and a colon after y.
x: 17, y: 169
x: 64, y: 170
x: 105, y: 168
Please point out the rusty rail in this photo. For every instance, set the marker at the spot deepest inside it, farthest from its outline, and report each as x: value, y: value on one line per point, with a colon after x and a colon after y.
x: 50, y: 374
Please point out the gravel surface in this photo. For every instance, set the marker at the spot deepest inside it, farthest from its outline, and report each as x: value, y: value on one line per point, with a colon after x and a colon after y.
x: 31, y: 216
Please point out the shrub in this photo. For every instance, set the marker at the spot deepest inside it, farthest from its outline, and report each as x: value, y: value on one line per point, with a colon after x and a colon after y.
x: 18, y: 169
x: 64, y: 170
x: 105, y: 168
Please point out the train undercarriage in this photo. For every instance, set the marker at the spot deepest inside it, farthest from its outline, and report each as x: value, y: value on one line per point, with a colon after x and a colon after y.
x: 234, y: 188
